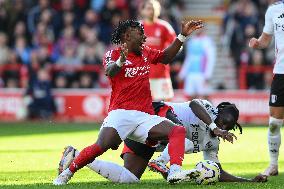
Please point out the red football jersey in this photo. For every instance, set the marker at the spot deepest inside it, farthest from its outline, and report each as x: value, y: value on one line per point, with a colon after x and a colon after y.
x: 130, y: 87
x: 160, y: 35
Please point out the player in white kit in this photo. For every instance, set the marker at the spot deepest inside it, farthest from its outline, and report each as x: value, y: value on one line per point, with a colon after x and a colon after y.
x: 198, y: 136
x: 274, y: 25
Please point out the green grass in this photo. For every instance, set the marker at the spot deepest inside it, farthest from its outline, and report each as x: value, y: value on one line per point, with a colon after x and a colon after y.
x: 29, y: 154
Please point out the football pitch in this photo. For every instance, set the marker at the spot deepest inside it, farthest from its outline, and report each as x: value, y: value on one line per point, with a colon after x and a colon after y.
x: 29, y: 155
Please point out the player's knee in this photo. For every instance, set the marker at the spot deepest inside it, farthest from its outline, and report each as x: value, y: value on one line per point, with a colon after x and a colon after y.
x: 108, y: 144
x: 177, y: 131
x: 275, y: 125
x: 127, y: 177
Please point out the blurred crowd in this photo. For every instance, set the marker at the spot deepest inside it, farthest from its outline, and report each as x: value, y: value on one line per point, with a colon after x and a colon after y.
x: 54, y: 35
x: 243, y: 20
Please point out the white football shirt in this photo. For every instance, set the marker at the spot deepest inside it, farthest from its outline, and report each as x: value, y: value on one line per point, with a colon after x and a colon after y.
x: 196, y: 130
x: 274, y: 24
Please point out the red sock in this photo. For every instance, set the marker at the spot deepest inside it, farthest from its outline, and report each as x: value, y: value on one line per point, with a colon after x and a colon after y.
x: 86, y: 156
x: 176, y: 145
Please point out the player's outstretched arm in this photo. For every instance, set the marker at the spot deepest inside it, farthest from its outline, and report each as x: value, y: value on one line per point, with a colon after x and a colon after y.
x: 203, y: 115
x: 227, y: 177
x: 200, y: 111
x: 262, y: 42
x: 186, y: 29
x: 115, y: 67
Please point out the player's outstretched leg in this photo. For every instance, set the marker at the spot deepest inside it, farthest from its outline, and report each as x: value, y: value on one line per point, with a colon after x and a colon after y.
x: 274, y: 141
x: 176, y: 137
x: 159, y: 164
x: 108, y: 170
x: 88, y: 154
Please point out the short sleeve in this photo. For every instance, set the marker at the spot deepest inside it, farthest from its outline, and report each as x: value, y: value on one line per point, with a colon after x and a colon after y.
x: 110, y: 57
x: 211, y: 110
x: 211, y: 155
x: 154, y: 56
x: 268, y: 26
x: 170, y: 34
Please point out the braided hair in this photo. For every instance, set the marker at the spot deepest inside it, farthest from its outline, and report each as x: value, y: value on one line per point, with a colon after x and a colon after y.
x: 121, y: 29
x: 232, y: 110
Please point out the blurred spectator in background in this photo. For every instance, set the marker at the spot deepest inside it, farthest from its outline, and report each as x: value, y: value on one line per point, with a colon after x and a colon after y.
x: 3, y: 17
x: 20, y: 30
x: 244, y: 19
x: 60, y: 81
x: 108, y: 12
x: 39, y: 32
x: 4, y: 49
x: 97, y: 5
x: 91, y: 50
x: 240, y: 14
x: 69, y: 61
x: 34, y: 14
x: 86, y: 81
x: 39, y: 99
x: 159, y: 35
x: 198, y: 65
x: 92, y: 21
x: 17, y: 12
x: 67, y: 40
x: 43, y: 37
x: 11, y: 76
x: 22, y: 50
x: 67, y: 13
x: 256, y: 80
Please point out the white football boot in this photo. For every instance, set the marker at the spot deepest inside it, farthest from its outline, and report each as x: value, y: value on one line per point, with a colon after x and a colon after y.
x: 176, y: 175
x: 63, y: 178
x: 159, y: 167
x: 68, y: 155
x: 272, y: 170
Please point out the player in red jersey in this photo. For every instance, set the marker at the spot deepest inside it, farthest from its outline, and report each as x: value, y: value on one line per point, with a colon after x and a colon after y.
x: 131, y: 114
x: 159, y: 35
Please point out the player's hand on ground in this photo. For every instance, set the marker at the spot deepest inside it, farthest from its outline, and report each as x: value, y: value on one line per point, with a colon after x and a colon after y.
x: 123, y: 52
x: 253, y: 43
x: 260, y: 178
x: 225, y: 135
x: 187, y: 27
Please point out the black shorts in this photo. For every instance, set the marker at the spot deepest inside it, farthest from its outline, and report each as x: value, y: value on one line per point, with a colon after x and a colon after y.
x: 276, y: 98
x: 142, y: 150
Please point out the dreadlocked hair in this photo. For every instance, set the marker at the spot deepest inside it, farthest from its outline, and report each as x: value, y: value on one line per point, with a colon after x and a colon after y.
x: 233, y: 110
x: 121, y: 29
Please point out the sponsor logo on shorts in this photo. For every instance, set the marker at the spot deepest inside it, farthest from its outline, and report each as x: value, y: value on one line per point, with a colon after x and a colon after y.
x: 273, y: 98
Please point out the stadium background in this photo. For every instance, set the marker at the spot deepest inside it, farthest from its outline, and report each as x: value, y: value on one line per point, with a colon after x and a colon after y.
x: 33, y: 39
x: 66, y: 40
